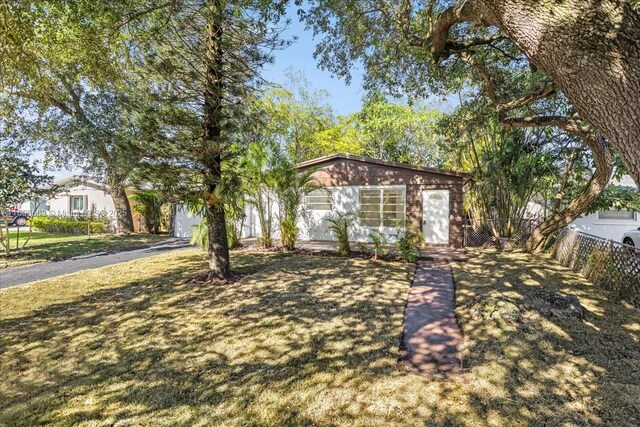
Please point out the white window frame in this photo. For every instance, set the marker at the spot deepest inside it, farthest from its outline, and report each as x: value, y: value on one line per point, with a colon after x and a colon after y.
x: 331, y: 205
x: 381, y: 226
x: 71, y: 199
x: 633, y: 219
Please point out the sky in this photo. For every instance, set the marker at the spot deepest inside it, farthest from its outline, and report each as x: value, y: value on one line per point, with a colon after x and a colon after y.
x: 343, y: 98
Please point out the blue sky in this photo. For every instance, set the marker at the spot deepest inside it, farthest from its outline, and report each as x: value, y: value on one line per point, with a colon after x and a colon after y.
x: 344, y: 99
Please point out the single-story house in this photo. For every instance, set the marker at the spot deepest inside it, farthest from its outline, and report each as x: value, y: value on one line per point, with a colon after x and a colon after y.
x: 384, y: 196
x: 79, y: 196
x: 610, y: 224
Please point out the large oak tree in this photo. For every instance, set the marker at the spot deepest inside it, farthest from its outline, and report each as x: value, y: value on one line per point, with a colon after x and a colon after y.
x: 582, y: 53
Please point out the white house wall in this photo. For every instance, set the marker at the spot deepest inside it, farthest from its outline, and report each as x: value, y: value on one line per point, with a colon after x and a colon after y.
x: 312, y: 224
x: 95, y: 201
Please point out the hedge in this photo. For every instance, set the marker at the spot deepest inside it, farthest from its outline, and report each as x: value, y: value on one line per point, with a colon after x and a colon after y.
x: 73, y: 225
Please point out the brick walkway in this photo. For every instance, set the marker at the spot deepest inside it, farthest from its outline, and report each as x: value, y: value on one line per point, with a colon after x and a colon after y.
x: 432, y: 338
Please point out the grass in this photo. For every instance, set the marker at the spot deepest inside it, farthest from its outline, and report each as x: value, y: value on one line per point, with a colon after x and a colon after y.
x: 303, y: 340
x: 53, y: 247
x: 555, y: 371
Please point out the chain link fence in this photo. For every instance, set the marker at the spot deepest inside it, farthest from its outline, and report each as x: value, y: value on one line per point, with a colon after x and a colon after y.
x: 479, y: 233
x: 612, y: 265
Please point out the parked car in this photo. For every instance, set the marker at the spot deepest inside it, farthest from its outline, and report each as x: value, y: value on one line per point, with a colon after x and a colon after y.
x: 632, y: 238
x: 16, y: 217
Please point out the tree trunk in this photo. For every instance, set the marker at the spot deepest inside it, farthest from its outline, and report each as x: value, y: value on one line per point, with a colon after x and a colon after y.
x: 219, y: 266
x: 591, y: 50
x: 604, y: 168
x: 124, y: 218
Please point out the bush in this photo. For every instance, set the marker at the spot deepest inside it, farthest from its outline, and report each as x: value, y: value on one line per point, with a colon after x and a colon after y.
x: 409, y: 245
x: 340, y: 228
x: 200, y: 236
x: 378, y: 240
x: 71, y: 224
x: 149, y: 206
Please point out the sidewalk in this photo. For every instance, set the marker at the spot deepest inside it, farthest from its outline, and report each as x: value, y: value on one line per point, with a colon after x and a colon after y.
x: 431, y: 340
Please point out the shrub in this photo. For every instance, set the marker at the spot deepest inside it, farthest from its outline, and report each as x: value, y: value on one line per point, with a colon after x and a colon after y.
x: 200, y: 236
x: 340, y: 228
x: 149, y: 205
x: 378, y: 239
x: 71, y: 224
x: 409, y: 245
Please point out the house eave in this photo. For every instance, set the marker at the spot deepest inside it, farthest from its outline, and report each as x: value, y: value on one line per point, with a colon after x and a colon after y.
x: 368, y: 160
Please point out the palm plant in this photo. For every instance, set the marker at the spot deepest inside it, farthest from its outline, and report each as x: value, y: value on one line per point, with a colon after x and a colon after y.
x: 149, y: 205
x: 291, y: 186
x: 378, y: 240
x: 340, y: 228
x: 259, y: 185
x: 409, y: 244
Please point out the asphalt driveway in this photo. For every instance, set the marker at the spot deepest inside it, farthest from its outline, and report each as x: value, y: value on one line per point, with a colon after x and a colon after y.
x: 35, y: 272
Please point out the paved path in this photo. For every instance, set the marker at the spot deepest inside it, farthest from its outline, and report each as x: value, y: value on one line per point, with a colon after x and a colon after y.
x: 432, y: 338
x: 31, y: 273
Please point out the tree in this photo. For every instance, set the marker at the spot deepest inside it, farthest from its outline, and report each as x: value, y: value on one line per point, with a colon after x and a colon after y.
x: 209, y: 52
x: 342, y: 137
x: 258, y: 168
x: 64, y: 89
x: 294, y: 114
x: 508, y: 168
x: 396, y: 132
x: 149, y: 205
x: 19, y: 182
x: 414, y: 49
x: 105, y: 132
x: 589, y: 50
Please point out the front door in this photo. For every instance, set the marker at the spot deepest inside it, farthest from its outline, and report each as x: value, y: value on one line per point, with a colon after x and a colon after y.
x: 435, y: 216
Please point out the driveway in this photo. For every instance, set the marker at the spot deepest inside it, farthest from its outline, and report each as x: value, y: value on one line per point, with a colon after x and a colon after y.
x: 32, y: 273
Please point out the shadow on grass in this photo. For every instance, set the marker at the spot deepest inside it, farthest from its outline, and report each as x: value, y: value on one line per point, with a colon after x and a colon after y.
x: 160, y: 348
x: 304, y: 340
x: 559, y: 371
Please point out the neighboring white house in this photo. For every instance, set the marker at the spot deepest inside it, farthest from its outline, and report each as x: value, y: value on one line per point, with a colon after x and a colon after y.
x: 80, y: 197
x: 610, y: 224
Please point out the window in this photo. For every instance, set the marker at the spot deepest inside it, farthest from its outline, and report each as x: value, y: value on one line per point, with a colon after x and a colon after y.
x: 319, y: 200
x: 77, y: 203
x: 621, y: 214
x: 381, y: 207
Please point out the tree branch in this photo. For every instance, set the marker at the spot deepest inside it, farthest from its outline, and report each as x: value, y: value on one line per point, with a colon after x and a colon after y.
x: 459, y: 46
x: 440, y: 34
x: 541, y: 93
x: 133, y: 16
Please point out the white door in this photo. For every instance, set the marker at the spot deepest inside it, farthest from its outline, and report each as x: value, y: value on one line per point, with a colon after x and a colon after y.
x: 435, y: 216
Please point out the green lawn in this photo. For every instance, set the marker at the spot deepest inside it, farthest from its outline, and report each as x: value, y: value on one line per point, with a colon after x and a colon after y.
x: 53, y: 247
x: 303, y: 340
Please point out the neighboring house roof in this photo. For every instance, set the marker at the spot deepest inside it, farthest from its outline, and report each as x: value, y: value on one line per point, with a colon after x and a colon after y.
x: 337, y: 156
x: 69, y: 181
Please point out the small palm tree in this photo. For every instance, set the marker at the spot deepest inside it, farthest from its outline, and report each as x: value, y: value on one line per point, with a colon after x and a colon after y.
x: 291, y: 186
x: 149, y: 205
x: 340, y: 225
x: 259, y: 185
